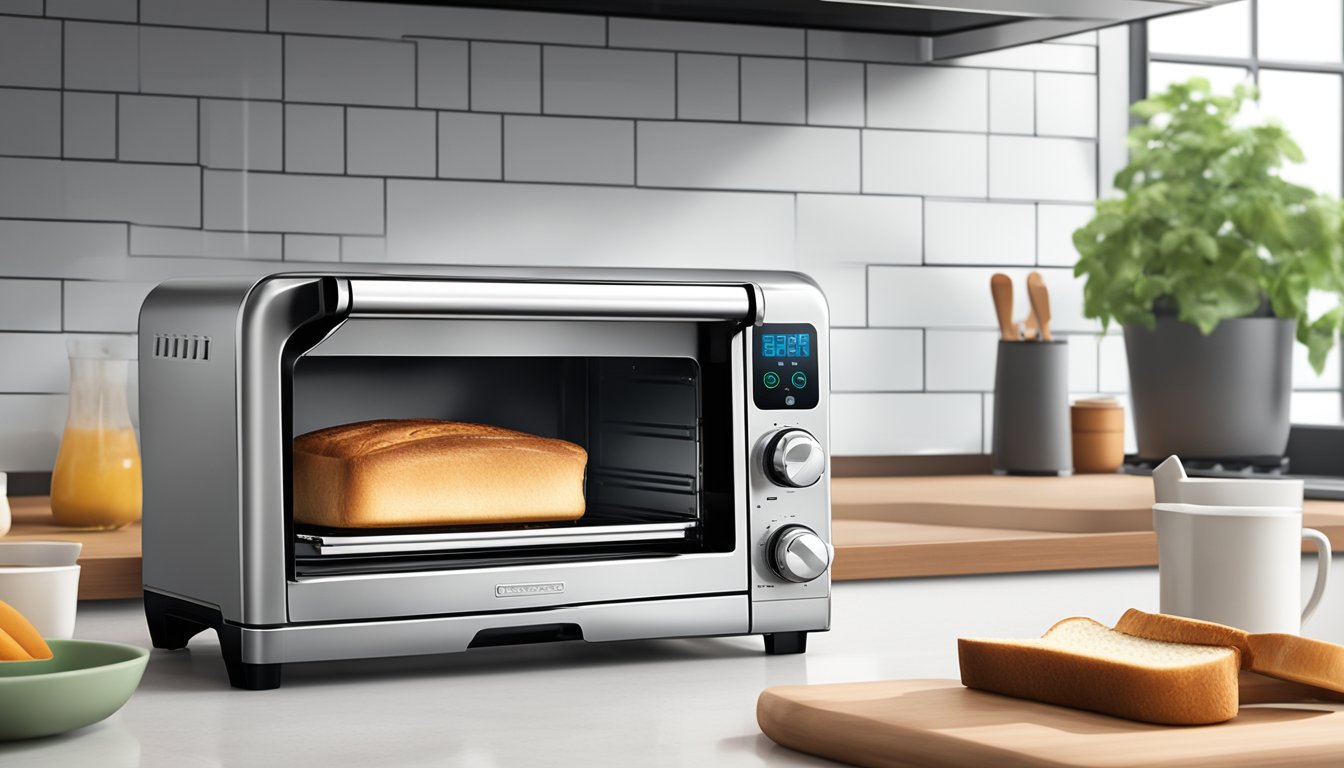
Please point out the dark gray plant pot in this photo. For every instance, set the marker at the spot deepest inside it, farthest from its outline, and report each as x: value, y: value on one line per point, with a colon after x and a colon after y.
x: 1222, y: 396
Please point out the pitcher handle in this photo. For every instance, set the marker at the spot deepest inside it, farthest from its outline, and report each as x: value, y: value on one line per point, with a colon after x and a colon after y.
x: 1322, y: 569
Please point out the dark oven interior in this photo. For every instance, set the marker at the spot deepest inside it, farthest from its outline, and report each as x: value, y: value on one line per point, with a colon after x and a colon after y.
x: 658, y: 431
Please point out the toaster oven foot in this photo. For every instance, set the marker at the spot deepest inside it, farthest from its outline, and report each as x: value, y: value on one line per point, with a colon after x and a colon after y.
x: 172, y: 622
x: 779, y: 643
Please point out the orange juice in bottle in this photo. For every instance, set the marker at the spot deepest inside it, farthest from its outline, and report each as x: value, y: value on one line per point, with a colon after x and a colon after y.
x: 96, y: 481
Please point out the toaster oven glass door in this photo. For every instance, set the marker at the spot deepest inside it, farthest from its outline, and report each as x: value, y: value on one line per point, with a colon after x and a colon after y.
x: 656, y: 404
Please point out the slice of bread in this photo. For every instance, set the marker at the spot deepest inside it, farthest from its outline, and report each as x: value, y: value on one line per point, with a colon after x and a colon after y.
x: 1287, y: 657
x: 1080, y: 663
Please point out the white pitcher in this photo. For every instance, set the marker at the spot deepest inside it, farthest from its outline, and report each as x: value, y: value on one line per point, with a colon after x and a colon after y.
x: 1171, y: 486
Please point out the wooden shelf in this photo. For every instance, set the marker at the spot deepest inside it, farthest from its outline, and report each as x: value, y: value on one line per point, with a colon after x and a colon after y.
x: 110, y: 560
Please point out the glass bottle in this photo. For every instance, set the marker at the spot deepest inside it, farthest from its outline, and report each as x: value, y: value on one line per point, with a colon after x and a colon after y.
x: 96, y: 482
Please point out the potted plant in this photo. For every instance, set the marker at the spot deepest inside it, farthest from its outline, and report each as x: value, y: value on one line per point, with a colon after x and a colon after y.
x: 1207, y: 261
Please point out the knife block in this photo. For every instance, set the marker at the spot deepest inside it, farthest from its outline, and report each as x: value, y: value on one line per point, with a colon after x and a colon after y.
x: 1031, y: 409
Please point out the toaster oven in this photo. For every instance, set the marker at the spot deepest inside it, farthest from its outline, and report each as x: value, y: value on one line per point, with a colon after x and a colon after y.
x: 699, y: 396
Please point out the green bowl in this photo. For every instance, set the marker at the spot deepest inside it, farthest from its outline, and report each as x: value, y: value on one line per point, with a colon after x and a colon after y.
x: 83, y: 682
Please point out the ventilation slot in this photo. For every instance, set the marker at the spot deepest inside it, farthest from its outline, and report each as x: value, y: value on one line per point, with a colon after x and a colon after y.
x: 181, y: 347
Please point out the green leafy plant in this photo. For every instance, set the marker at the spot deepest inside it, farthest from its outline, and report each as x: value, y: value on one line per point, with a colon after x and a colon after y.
x: 1207, y: 228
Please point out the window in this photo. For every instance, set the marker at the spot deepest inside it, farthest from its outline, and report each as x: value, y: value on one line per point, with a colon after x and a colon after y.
x: 1292, y: 49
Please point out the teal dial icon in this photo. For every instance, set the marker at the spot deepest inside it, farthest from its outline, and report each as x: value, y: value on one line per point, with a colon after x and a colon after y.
x: 799, y: 379
x: 770, y: 379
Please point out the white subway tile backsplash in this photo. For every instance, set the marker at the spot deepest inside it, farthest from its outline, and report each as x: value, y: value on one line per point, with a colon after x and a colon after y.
x: 835, y: 93
x: 106, y: 10
x: 314, y: 139
x: 607, y: 83
x: 979, y: 233
x: 272, y: 202
x: 863, y: 46
x: 1037, y: 56
x: 443, y: 74
x: 104, y: 307
x: 30, y: 122
x: 366, y: 250
x: 98, y: 57
x: 21, y: 7
x: 390, y: 142
x: 243, y: 134
x: 774, y: 90
x: 1066, y: 104
x: 705, y: 37
x: 61, y: 248
x: 1055, y: 225
x: 568, y: 149
x: 218, y: 14
x: 1112, y: 364
x: 876, y: 360
x: 32, y: 432
x: 56, y: 189
x: 1081, y: 38
x: 369, y: 19
x: 374, y: 72
x: 723, y: 156
x: 846, y: 289
x: 1017, y: 167
x: 89, y: 127
x: 928, y: 98
x: 505, y: 77
x: 156, y: 269
x: 919, y: 163
x: 159, y: 129
x: 43, y: 364
x: 960, y: 361
x: 30, y: 305
x: 173, y: 241
x: 707, y: 86
x: 312, y: 248
x: 462, y: 222
x: 470, y: 146
x: 870, y: 424
x: 958, y: 297
x: 1011, y: 96
x: 859, y: 229
x: 30, y: 52
x: 1083, y: 362
x: 208, y: 63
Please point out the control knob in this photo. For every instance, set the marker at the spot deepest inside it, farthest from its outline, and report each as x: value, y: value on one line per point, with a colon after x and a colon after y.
x: 798, y: 554
x: 794, y: 459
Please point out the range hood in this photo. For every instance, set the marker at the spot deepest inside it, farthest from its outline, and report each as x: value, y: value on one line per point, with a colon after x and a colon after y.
x: 934, y: 29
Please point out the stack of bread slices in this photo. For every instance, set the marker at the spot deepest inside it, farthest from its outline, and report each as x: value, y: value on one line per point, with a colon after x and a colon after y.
x: 1151, y: 667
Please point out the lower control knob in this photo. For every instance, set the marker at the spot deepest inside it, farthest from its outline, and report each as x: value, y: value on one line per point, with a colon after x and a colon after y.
x: 798, y: 554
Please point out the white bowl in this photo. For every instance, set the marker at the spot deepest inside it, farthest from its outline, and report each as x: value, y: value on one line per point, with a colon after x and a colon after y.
x: 41, y: 580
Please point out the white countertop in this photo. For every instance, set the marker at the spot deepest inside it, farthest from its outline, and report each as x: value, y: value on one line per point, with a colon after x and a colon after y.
x: 652, y: 702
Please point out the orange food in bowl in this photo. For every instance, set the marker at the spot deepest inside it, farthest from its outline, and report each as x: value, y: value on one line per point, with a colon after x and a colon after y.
x: 19, y: 639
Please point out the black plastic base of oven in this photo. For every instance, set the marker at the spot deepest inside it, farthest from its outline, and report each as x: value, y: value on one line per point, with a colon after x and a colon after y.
x: 172, y: 622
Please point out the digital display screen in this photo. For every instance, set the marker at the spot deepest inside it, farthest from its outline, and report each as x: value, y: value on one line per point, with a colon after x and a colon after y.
x: 786, y: 345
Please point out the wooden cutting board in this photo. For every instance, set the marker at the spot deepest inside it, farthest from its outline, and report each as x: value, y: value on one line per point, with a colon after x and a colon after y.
x: 940, y: 724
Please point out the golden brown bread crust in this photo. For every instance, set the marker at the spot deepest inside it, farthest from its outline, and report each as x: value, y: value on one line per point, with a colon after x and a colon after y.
x: 1179, y: 629
x: 1287, y: 657
x: 1199, y: 693
x: 1299, y: 659
x: 422, y: 472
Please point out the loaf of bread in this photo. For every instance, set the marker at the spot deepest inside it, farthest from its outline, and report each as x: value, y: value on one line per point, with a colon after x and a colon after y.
x: 421, y: 472
x: 1082, y: 664
x: 1287, y: 657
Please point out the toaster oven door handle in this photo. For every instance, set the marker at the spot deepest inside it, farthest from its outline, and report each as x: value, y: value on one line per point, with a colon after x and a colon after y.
x: 740, y: 303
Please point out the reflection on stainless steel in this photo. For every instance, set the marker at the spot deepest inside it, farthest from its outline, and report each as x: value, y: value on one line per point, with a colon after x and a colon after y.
x: 651, y: 371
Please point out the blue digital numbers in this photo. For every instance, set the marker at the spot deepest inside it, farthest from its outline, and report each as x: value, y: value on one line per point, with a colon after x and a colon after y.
x: 786, y: 345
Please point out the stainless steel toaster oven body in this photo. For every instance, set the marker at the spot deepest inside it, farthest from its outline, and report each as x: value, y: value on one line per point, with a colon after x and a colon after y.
x: 701, y: 398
